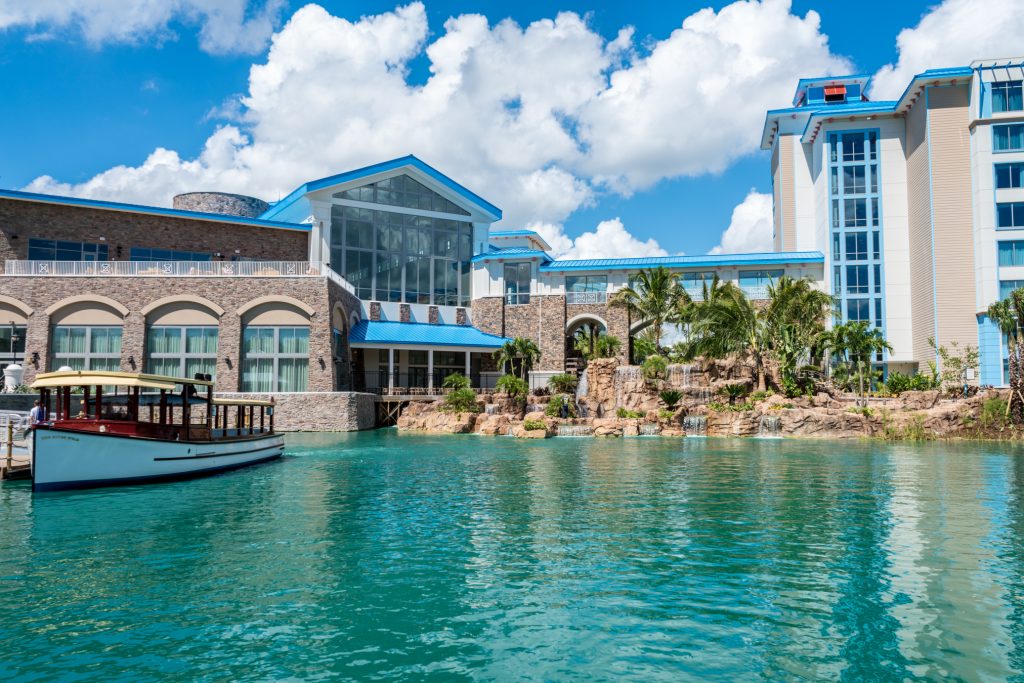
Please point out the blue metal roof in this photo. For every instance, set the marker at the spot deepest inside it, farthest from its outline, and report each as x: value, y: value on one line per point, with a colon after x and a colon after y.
x: 512, y: 252
x: 513, y: 233
x: 383, y: 167
x: 422, y: 334
x: 153, y: 210
x: 702, y: 261
x: 804, y: 83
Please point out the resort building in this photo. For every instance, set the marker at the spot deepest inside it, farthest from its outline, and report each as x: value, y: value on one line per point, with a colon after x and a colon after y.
x: 917, y: 203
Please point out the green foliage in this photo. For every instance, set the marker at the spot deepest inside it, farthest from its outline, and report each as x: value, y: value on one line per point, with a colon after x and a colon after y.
x: 717, y: 406
x: 735, y: 407
x: 897, y: 383
x: 665, y: 415
x: 519, y: 355
x: 626, y: 413
x: 456, y: 381
x: 671, y: 398
x: 759, y: 396
x: 533, y: 425
x: 861, y: 410
x: 733, y: 392
x: 794, y: 386
x: 607, y: 346
x: 554, y: 407
x: 642, y: 348
x: 461, y: 401
x: 993, y: 415
x: 787, y: 406
x: 516, y: 388
x: 912, y: 431
x: 563, y: 383
x: 956, y: 363
x: 655, y: 367
x: 857, y: 343
x: 654, y: 294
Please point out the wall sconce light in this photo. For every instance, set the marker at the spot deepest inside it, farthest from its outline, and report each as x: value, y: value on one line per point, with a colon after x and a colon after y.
x: 227, y: 361
x: 103, y: 239
x: 323, y: 365
x: 35, y: 358
x: 131, y: 361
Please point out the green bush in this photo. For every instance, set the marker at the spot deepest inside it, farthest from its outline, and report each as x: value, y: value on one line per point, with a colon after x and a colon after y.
x: 533, y: 425
x: 461, y: 401
x: 665, y: 415
x: 554, y: 407
x: 642, y: 348
x: 626, y: 413
x: 655, y: 367
x: 671, y: 398
x: 563, y: 383
x: 607, y: 346
x: 915, y: 431
x: 759, y: 396
x: 865, y: 411
x: 456, y: 381
x: 733, y: 392
x: 793, y: 387
x: 993, y: 414
x: 516, y: 388
x: 897, y: 383
x: 717, y: 406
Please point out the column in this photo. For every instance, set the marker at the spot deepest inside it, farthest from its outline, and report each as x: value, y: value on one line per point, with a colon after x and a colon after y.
x: 391, y: 369
x: 468, y: 366
x: 430, y: 370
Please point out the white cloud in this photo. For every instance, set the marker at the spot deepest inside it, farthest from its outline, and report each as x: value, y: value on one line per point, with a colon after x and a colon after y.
x: 611, y: 240
x: 953, y: 34
x: 750, y: 230
x: 540, y: 119
x: 225, y: 26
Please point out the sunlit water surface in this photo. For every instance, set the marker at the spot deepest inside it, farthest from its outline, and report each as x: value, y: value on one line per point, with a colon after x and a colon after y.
x: 383, y: 556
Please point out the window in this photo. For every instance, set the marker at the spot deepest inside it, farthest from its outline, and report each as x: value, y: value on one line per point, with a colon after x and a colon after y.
x: 590, y: 283
x: 1010, y: 215
x: 855, y: 213
x: 853, y: 147
x: 1011, y: 253
x: 146, y: 254
x: 854, y: 181
x: 856, y: 246
x: 878, y: 279
x: 275, y: 358
x: 56, y: 250
x: 402, y: 191
x: 181, y: 351
x: 517, y: 283
x: 877, y: 253
x: 816, y: 94
x: 1009, y: 175
x: 835, y: 94
x: 858, y: 309
x: 1007, y: 286
x: 1008, y: 138
x: 759, y: 278
x: 1007, y: 96
x: 86, y: 347
x: 857, y: 280
x: 12, y: 343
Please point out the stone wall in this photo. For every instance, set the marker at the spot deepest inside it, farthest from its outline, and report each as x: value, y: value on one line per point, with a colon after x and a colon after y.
x: 134, y: 293
x: 20, y: 220
x: 220, y: 202
x: 333, y: 411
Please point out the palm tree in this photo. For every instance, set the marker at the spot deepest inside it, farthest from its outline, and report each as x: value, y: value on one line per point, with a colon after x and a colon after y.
x: 796, y: 312
x: 858, y: 343
x: 1008, y: 315
x: 655, y: 296
x: 519, y: 354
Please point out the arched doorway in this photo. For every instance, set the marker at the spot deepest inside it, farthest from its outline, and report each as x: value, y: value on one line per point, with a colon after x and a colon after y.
x: 581, y: 333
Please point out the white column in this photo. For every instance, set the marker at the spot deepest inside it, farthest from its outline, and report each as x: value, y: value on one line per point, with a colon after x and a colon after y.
x: 430, y: 369
x: 467, y: 364
x: 391, y: 369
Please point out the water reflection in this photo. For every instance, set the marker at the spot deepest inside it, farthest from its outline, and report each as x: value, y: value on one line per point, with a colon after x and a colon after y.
x: 386, y: 556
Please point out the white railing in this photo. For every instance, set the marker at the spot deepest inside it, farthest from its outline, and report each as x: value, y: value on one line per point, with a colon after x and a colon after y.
x: 167, y: 269
x: 756, y: 291
x: 586, y: 297
x: 339, y: 280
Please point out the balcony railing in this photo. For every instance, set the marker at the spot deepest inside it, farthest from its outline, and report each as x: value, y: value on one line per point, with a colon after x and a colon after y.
x: 517, y: 299
x: 755, y: 291
x: 174, y: 269
x: 586, y: 297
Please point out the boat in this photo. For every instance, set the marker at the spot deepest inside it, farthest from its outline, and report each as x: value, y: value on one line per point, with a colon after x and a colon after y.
x: 136, y: 428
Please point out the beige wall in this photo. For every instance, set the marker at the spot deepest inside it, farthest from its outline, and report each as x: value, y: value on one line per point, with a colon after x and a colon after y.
x: 784, y: 194
x: 920, y: 228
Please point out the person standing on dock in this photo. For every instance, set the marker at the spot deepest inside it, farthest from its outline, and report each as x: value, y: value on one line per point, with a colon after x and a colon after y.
x: 37, y: 415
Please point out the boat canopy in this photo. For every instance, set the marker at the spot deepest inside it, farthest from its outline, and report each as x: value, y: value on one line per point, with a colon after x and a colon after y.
x: 242, y: 402
x: 77, y: 378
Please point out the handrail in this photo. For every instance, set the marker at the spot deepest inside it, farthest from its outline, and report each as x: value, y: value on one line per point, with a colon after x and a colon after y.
x: 337, y: 279
x: 164, y: 268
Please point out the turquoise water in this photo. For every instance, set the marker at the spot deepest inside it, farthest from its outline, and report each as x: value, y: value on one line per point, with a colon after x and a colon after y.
x: 380, y: 556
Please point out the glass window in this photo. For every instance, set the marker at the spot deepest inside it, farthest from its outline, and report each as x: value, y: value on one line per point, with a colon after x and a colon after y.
x: 875, y: 246
x: 86, y: 347
x: 857, y: 246
x: 878, y: 279
x: 837, y: 281
x: 147, y: 254
x: 1008, y: 138
x: 275, y: 358
x: 1009, y: 175
x: 858, y: 309
x: 404, y: 191
x: 59, y: 250
x: 854, y: 179
x: 1011, y: 253
x: 878, y: 312
x: 1007, y: 286
x: 855, y: 213
x: 12, y: 343
x: 1010, y: 215
x: 833, y: 145
x: 1007, y: 96
x: 181, y: 351
x: 853, y: 147
x: 517, y: 283
x: 857, y: 280
x: 599, y: 283
x: 759, y: 278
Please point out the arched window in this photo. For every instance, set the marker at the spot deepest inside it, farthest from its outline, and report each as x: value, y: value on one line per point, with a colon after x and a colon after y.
x: 275, y: 346
x: 86, y: 333
x: 181, y: 337
x: 13, y: 322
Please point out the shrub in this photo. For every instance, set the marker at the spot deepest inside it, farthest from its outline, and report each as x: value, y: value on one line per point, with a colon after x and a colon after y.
x: 915, y: 431
x: 671, y: 398
x: 554, y: 407
x: 461, y: 401
x: 759, y: 396
x: 743, y: 407
x: 655, y: 367
x: 717, y: 406
x: 516, y: 388
x: 456, y: 381
x: 788, y: 406
x: 563, y: 383
x: 533, y: 425
x: 626, y: 413
x: 993, y: 414
x: 665, y: 415
x: 733, y: 392
x: 897, y: 383
x: 642, y: 348
x: 865, y: 411
x: 607, y: 346
x: 797, y: 386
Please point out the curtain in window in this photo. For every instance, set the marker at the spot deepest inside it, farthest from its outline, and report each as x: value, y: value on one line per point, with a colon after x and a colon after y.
x: 206, y: 366
x: 258, y: 340
x: 292, y: 374
x: 293, y: 340
x: 201, y: 340
x: 104, y: 364
x: 69, y: 340
x: 105, y: 340
x: 258, y: 374
x: 164, y: 340
x: 164, y: 366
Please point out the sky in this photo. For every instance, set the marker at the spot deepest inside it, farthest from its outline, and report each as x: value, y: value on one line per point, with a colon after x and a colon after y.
x: 614, y: 129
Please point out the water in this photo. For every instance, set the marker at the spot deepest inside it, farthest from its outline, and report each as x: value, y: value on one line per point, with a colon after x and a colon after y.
x: 574, y: 430
x: 385, y: 557
x: 770, y: 427
x: 695, y: 425
x: 649, y: 429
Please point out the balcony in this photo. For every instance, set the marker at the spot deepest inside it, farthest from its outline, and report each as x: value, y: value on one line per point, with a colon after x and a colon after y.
x: 586, y: 297
x: 520, y: 299
x: 217, y: 269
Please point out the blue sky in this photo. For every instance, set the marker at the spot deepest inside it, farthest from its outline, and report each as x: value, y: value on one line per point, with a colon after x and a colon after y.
x: 78, y: 103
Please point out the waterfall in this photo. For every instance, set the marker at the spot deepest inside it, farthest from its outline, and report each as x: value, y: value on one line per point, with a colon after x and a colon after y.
x: 581, y: 391
x: 535, y: 407
x: 771, y: 425
x: 680, y: 376
x: 695, y: 425
x: 624, y: 373
x: 649, y: 430
x: 574, y: 430
x: 491, y: 409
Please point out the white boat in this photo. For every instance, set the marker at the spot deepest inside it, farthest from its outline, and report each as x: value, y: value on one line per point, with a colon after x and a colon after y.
x: 158, y: 428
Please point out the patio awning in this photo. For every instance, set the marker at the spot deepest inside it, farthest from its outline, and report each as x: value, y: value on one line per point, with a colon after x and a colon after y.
x: 385, y: 332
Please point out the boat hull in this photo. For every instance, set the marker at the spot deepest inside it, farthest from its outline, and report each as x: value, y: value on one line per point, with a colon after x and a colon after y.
x: 65, y: 459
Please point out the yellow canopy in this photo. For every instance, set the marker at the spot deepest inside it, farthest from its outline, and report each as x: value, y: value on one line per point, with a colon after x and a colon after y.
x: 241, y: 402
x: 76, y: 378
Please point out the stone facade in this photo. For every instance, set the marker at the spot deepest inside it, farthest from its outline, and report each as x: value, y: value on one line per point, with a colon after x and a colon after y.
x: 20, y: 220
x: 230, y: 294
x: 545, y: 320
x: 220, y: 202
x: 335, y: 411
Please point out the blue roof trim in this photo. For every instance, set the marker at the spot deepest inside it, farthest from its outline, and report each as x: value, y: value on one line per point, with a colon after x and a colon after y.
x: 141, y: 208
x: 702, y: 261
x: 422, y: 334
x: 383, y: 167
x: 511, y: 252
x: 512, y: 233
x: 803, y: 83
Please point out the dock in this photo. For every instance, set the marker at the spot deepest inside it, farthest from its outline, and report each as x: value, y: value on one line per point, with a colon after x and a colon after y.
x: 15, y: 463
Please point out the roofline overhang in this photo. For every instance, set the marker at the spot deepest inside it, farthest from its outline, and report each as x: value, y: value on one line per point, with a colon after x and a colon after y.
x: 705, y: 261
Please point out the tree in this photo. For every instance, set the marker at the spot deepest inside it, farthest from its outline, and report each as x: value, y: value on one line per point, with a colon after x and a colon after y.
x: 796, y: 314
x: 1008, y: 315
x: 857, y: 342
x: 519, y: 354
x: 655, y: 296
x: 607, y: 346
x: 956, y: 363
